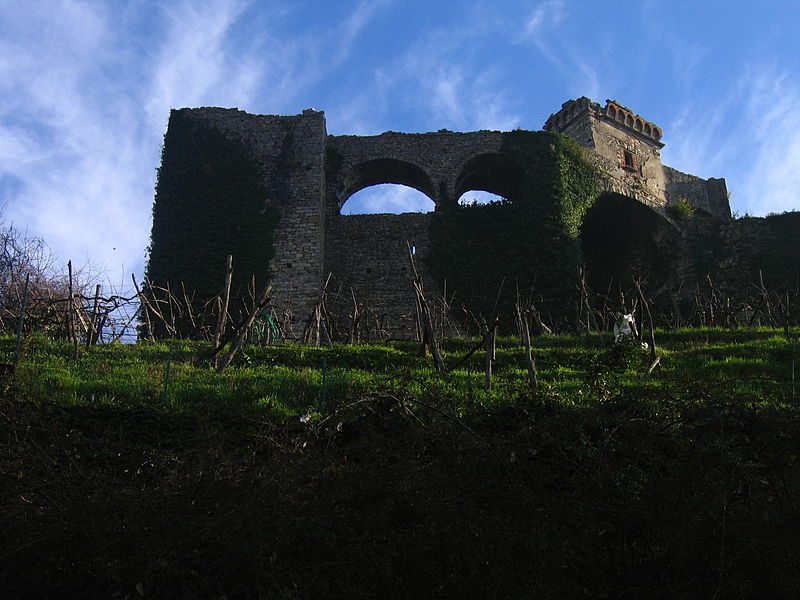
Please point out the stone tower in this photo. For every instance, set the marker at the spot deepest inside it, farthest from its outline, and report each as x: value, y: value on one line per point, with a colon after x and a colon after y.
x: 627, y: 149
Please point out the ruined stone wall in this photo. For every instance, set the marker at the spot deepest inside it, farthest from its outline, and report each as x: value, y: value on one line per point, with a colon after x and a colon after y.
x: 708, y: 195
x: 368, y: 258
x: 739, y: 253
x: 289, y: 152
x: 308, y: 176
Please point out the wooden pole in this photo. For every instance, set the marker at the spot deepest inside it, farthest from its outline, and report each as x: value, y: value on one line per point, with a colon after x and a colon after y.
x: 653, y: 357
x: 490, y: 353
x: 428, y: 333
x: 91, y: 334
x: 241, y: 335
x: 226, y: 294
x: 21, y: 321
x: 524, y: 330
x: 73, y: 334
x: 145, y: 305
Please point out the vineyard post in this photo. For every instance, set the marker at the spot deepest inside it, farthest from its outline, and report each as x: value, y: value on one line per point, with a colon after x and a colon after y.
x: 21, y: 320
x: 226, y: 294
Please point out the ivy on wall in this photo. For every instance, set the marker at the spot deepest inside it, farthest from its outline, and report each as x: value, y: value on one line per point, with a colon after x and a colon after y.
x: 774, y: 249
x: 529, y: 240
x: 735, y: 252
x: 208, y: 188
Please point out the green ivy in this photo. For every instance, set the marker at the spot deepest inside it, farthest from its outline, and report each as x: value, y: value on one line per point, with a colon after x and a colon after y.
x: 210, y: 202
x: 527, y: 242
x: 681, y: 210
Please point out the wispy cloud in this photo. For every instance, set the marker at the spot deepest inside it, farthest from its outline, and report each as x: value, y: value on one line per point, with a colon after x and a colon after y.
x: 396, y: 199
x: 82, y: 110
x: 544, y: 29
x: 545, y: 15
x: 354, y: 24
x: 85, y: 92
x: 195, y: 65
x: 771, y: 134
x: 437, y: 79
x: 749, y: 134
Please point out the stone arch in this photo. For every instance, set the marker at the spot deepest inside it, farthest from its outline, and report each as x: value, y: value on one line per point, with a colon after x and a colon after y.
x: 385, y: 170
x: 490, y: 172
x: 621, y: 238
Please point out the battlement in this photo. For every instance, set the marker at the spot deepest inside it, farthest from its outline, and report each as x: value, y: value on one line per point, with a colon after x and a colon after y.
x: 612, y: 112
x: 626, y: 148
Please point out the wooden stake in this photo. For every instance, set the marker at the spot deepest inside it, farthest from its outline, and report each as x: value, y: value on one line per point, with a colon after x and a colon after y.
x: 491, y: 330
x: 241, y: 334
x: 73, y: 334
x: 655, y: 359
x: 226, y: 294
x: 427, y: 326
x: 145, y: 309
x: 526, y: 342
x: 92, y: 333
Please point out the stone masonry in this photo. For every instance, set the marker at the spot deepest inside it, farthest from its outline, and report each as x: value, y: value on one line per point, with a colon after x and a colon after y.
x: 309, y: 176
x: 626, y: 148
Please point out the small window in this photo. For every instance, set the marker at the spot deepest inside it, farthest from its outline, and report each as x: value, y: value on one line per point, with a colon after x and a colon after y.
x: 628, y: 160
x: 288, y: 265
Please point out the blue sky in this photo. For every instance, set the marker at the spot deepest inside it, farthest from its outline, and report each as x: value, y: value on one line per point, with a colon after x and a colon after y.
x: 86, y: 88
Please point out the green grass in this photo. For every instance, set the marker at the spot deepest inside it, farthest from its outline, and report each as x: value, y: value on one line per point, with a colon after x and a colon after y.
x: 138, y: 471
x: 288, y: 379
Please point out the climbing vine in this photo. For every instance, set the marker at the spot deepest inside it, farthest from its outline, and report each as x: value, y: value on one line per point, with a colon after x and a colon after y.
x: 528, y: 241
x: 208, y: 186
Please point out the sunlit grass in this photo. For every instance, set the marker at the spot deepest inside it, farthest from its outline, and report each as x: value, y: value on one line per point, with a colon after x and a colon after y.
x: 289, y: 379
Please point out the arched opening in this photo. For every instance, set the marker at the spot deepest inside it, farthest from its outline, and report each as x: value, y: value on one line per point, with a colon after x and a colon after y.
x: 493, y: 173
x: 378, y: 173
x: 387, y: 198
x: 622, y: 238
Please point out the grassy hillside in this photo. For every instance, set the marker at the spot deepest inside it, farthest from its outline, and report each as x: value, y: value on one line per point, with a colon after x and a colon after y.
x: 135, y: 471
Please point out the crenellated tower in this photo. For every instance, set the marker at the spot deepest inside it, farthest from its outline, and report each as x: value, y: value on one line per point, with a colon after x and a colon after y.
x: 626, y: 148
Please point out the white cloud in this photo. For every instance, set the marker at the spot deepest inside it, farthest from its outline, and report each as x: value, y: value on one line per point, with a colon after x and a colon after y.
x: 436, y: 78
x: 771, y: 142
x: 82, y: 111
x: 545, y: 15
x: 478, y: 197
x: 547, y: 29
x: 358, y: 20
x: 749, y: 134
x: 194, y: 66
x: 85, y: 92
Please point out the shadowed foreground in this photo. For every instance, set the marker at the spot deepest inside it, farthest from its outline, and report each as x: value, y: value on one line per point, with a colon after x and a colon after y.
x: 639, y: 497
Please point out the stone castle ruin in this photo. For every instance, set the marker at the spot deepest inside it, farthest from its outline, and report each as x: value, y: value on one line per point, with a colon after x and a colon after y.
x: 269, y: 190
x: 626, y: 147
